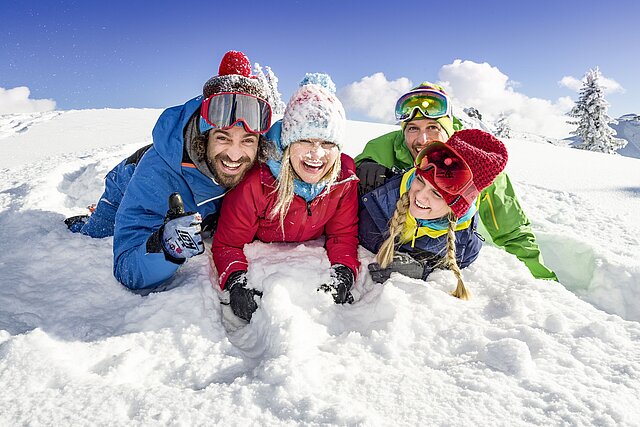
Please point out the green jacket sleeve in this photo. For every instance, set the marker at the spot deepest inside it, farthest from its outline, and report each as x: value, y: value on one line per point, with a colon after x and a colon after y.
x: 509, y: 227
x: 388, y: 150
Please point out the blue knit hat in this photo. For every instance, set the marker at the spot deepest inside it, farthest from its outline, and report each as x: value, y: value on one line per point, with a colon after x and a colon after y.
x: 314, y: 111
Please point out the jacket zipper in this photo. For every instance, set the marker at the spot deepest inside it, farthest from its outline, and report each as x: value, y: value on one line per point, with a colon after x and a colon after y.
x: 493, y: 215
x: 413, y: 241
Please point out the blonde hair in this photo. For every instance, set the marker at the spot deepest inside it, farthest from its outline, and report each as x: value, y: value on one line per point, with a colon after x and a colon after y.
x: 460, y: 291
x: 284, y: 188
x: 396, y: 226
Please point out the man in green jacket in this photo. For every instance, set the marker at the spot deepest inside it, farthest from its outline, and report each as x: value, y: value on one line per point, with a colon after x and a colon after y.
x: 425, y: 115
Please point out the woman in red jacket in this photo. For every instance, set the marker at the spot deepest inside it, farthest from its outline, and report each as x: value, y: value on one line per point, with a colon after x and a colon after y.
x: 305, y: 189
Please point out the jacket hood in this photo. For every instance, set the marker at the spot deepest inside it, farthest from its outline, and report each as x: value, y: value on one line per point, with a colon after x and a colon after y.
x: 168, y: 133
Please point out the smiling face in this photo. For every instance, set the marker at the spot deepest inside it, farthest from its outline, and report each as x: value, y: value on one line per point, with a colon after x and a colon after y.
x: 231, y: 153
x: 312, y: 159
x: 425, y: 201
x: 420, y: 132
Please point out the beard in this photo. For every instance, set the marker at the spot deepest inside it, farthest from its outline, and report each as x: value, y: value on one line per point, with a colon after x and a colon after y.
x: 225, y: 179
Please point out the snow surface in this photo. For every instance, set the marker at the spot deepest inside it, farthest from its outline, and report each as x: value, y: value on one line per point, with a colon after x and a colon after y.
x: 76, y: 348
x: 628, y: 127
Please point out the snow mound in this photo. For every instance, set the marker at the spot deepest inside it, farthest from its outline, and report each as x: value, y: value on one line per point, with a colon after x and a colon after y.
x: 76, y: 348
x: 11, y: 124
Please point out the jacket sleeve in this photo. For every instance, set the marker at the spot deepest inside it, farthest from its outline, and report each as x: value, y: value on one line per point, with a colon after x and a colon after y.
x: 388, y: 150
x: 509, y: 227
x: 376, y: 208
x: 142, y: 212
x: 342, y: 230
x: 472, y: 245
x: 237, y: 226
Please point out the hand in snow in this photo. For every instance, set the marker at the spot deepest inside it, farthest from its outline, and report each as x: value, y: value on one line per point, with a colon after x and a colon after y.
x: 341, y: 283
x: 241, y: 298
x: 402, y: 263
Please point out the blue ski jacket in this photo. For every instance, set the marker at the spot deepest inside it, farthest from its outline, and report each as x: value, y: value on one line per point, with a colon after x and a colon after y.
x: 160, y: 172
x: 377, y: 208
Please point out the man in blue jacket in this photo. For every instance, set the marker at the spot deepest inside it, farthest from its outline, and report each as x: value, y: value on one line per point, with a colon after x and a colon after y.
x: 200, y: 150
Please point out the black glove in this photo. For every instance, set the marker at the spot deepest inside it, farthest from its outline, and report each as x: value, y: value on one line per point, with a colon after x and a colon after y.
x: 75, y: 223
x: 179, y: 237
x: 402, y: 263
x: 240, y: 297
x: 371, y: 175
x: 341, y: 283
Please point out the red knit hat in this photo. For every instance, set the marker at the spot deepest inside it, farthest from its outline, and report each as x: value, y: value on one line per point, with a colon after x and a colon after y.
x: 486, y: 157
x: 234, y: 75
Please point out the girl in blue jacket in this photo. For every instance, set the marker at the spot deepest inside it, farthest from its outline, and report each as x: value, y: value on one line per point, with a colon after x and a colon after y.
x: 430, y: 212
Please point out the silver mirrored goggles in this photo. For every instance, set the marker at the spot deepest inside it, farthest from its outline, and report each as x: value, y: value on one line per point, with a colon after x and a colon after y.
x: 226, y: 109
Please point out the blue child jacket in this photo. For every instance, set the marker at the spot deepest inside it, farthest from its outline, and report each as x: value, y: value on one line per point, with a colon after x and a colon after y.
x: 377, y: 208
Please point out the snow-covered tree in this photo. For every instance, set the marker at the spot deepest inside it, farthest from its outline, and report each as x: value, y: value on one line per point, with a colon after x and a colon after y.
x: 503, y: 128
x: 591, y: 116
x: 270, y: 82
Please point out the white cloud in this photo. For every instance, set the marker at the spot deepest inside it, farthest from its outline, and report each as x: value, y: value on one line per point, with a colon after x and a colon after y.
x: 470, y: 84
x: 17, y: 100
x: 571, y: 83
x: 375, y: 96
x: 491, y: 92
x: 609, y: 85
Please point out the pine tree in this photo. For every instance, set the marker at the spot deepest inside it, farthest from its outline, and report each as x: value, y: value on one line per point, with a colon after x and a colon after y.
x: 503, y: 128
x: 270, y: 82
x: 592, y: 119
x: 278, y: 105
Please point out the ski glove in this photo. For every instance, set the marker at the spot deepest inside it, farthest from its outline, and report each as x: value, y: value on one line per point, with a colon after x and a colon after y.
x: 75, y: 223
x: 241, y: 298
x: 179, y: 237
x: 371, y: 175
x: 341, y: 283
x: 402, y: 263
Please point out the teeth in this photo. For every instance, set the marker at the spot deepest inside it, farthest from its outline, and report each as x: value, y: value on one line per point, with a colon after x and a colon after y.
x: 421, y: 206
x: 313, y: 164
x: 231, y: 165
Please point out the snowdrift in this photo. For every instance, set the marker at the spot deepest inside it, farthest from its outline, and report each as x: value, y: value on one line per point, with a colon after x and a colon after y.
x: 76, y: 348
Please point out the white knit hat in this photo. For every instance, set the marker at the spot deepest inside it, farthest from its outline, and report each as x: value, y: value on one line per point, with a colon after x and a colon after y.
x: 314, y: 111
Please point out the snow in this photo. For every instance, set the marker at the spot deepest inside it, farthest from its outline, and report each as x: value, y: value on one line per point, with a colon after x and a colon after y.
x: 628, y: 127
x: 76, y: 348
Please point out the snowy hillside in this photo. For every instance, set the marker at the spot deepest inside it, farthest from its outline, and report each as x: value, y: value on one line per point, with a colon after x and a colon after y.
x: 628, y: 127
x: 76, y: 348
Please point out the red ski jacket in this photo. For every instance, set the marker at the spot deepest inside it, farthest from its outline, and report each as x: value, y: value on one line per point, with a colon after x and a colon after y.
x: 245, y: 216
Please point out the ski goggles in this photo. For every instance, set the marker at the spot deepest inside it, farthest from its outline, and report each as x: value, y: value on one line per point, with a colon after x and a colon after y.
x: 451, y: 173
x: 226, y: 109
x: 431, y: 104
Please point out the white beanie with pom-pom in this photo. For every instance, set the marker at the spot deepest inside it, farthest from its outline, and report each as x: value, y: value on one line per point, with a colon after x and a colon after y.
x: 314, y: 111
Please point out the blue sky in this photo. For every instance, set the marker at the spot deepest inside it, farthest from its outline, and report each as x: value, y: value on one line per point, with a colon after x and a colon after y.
x: 95, y: 54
